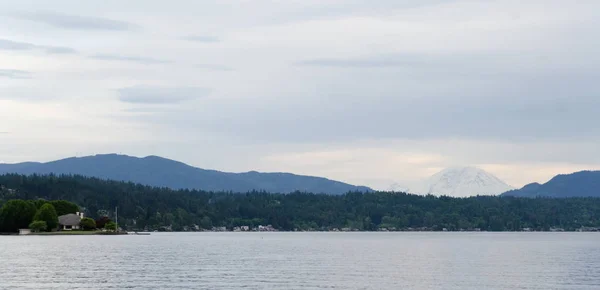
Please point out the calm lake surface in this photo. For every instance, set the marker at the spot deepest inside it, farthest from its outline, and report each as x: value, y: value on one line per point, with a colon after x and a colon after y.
x: 303, y: 261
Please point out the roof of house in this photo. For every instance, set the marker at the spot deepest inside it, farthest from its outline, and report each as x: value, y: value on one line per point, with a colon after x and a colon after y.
x: 69, y: 220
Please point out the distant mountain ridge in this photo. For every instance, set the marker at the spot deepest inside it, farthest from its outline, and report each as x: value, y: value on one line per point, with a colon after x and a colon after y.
x: 578, y: 184
x: 162, y: 172
x: 462, y: 182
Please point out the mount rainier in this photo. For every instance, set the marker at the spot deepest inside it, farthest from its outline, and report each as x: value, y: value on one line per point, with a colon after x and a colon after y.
x: 461, y: 182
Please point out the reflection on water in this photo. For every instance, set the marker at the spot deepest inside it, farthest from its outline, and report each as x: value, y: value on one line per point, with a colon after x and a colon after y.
x: 303, y: 261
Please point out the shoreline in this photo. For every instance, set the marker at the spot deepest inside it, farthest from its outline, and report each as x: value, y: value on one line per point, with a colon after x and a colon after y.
x: 77, y: 233
x: 68, y: 233
x: 287, y: 232
x: 100, y: 233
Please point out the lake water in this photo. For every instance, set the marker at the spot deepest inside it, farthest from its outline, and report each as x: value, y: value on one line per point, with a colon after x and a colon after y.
x: 303, y: 261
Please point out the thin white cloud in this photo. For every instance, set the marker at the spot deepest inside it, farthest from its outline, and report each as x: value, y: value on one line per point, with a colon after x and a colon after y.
x: 160, y: 95
x: 202, y: 38
x: 76, y: 22
x: 15, y: 74
x: 6, y: 44
x: 136, y: 59
x: 355, y: 63
x: 214, y: 67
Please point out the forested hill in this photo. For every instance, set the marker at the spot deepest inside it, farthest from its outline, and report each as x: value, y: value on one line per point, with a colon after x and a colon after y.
x: 145, y: 207
x: 578, y: 184
x: 161, y: 172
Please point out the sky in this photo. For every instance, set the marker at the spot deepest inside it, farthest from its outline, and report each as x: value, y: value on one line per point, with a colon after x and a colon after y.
x: 365, y: 92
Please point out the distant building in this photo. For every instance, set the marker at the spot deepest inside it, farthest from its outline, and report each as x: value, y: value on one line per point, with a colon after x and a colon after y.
x: 70, y: 221
x: 24, y: 232
x: 219, y: 229
x: 268, y: 228
x: 588, y: 229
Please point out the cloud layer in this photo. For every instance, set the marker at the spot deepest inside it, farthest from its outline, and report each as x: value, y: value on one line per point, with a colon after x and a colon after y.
x: 367, y: 93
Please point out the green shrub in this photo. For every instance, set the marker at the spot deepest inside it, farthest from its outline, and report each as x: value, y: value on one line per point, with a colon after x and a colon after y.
x: 110, y: 226
x: 47, y: 213
x: 88, y: 224
x: 38, y: 226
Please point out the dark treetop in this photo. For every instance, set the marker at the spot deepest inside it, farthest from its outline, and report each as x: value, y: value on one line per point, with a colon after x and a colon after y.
x: 144, y: 207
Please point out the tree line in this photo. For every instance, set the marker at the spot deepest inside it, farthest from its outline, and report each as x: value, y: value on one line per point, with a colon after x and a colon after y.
x: 150, y: 208
x: 42, y: 215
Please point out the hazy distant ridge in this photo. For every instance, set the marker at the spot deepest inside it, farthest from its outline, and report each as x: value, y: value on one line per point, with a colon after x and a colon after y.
x: 578, y: 184
x: 158, y: 171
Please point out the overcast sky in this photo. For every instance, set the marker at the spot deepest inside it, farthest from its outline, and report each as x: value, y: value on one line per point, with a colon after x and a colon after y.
x: 366, y: 92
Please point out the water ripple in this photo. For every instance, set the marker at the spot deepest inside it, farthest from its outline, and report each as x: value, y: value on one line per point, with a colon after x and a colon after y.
x: 302, y: 261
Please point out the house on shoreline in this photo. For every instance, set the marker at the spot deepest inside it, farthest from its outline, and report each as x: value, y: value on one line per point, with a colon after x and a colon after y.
x: 70, y: 221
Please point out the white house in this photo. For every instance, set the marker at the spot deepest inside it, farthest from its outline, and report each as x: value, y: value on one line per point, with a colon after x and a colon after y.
x: 70, y: 221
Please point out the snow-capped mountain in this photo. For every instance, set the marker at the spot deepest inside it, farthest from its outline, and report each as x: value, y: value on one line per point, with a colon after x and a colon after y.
x: 462, y: 182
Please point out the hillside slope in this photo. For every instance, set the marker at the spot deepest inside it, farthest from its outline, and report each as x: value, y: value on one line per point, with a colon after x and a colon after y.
x: 578, y: 184
x: 161, y: 172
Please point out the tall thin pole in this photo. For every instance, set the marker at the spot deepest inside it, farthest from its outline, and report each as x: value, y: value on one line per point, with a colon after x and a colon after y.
x: 117, y: 218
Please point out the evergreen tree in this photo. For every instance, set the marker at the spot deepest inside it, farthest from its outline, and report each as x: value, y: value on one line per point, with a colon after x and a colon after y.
x: 64, y: 207
x: 151, y: 208
x: 15, y: 215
